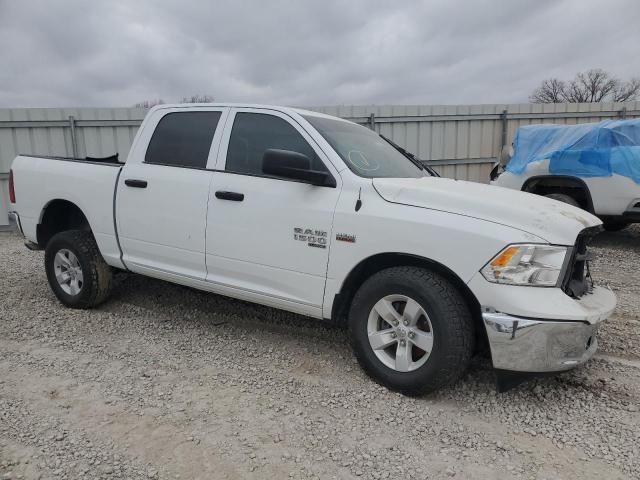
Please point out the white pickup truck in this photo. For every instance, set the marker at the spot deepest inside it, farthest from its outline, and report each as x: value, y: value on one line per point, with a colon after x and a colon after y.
x: 316, y: 215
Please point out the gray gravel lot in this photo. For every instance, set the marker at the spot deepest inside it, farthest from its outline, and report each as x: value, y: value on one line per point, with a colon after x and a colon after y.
x: 166, y: 382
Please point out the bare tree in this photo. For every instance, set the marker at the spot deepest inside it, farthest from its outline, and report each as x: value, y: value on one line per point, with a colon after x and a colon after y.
x: 591, y: 86
x: 149, y: 103
x: 627, y: 91
x: 197, y: 99
x: 550, y: 91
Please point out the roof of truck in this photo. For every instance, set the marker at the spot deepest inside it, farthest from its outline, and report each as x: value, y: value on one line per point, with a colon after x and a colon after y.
x: 278, y: 108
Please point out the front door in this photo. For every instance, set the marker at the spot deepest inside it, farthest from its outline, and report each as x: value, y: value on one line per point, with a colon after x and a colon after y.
x: 268, y: 238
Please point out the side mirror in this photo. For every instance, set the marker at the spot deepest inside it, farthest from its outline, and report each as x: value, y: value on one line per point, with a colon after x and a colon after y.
x: 296, y: 166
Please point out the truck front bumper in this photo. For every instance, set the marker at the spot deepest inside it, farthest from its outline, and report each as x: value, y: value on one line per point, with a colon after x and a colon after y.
x: 522, y: 344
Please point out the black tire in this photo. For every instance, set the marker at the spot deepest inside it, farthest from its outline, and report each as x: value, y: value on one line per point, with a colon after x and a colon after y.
x: 97, y: 275
x: 614, y: 226
x: 562, y: 197
x: 451, y: 320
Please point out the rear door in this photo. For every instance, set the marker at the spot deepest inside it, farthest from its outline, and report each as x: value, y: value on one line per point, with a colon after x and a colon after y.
x: 268, y: 237
x: 163, y: 192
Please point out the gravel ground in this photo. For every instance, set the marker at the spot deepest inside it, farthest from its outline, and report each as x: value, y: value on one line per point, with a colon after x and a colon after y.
x: 167, y: 382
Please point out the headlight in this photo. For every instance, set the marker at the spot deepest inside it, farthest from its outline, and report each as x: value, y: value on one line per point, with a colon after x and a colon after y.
x: 533, y: 265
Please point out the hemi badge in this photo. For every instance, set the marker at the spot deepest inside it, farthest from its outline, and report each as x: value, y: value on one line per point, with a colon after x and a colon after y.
x: 345, y: 237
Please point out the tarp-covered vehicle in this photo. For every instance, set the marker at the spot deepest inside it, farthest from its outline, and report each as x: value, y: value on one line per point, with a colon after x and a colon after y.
x: 595, y: 166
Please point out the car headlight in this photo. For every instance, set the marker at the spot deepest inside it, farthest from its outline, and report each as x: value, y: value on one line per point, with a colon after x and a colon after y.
x: 527, y: 264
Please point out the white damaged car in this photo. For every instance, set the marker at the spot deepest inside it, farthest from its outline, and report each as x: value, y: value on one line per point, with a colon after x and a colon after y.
x: 593, y: 166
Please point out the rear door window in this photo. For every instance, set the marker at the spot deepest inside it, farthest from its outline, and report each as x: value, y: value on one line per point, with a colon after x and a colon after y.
x: 183, y: 139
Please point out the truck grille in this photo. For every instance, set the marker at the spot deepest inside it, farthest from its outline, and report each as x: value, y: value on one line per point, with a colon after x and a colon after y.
x: 578, y: 280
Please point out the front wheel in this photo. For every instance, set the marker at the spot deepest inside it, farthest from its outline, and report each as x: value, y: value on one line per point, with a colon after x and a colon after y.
x: 564, y: 198
x: 77, y: 273
x: 411, y: 330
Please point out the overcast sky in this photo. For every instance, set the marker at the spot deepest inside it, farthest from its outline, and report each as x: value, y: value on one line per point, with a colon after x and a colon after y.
x: 299, y: 52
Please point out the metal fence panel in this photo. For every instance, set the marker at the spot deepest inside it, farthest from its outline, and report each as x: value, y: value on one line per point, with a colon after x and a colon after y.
x: 438, y: 132
x: 67, y: 132
x: 464, y: 141
x: 459, y: 141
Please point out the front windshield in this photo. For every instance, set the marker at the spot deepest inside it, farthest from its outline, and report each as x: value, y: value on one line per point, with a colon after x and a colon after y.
x: 365, y: 152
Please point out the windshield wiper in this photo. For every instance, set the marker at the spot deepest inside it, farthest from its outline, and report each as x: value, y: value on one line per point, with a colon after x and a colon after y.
x: 404, y: 152
x: 410, y: 156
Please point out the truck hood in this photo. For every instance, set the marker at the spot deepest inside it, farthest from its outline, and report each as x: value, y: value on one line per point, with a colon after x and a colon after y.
x: 550, y: 220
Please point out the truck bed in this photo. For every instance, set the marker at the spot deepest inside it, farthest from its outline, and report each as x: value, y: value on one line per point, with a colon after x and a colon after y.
x: 90, y: 184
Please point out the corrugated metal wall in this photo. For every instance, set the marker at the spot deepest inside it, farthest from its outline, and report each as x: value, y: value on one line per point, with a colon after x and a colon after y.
x: 464, y: 141
x: 460, y: 141
x: 48, y: 131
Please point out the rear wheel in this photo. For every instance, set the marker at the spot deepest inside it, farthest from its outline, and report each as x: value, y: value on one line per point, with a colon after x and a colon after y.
x: 77, y: 273
x: 563, y: 197
x: 411, y: 330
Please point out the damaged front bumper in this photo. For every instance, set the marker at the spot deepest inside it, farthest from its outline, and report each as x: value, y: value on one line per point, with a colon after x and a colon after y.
x: 535, y: 345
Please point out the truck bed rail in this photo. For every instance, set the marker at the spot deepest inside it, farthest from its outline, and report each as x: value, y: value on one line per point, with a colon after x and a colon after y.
x: 111, y: 161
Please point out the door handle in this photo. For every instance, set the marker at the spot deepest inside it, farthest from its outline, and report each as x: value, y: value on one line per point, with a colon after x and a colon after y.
x: 132, y: 182
x: 233, y: 196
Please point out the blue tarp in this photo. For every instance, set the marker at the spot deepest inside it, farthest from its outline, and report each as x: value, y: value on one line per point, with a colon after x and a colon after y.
x: 585, y: 150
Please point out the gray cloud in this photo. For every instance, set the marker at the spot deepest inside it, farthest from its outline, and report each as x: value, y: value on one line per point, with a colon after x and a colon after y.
x: 299, y: 52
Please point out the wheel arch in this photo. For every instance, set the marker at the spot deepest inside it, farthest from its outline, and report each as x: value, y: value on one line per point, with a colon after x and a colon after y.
x: 59, y: 215
x: 568, y: 184
x: 375, y: 263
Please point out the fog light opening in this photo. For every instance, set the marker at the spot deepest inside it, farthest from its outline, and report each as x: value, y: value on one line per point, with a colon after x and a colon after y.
x: 589, y: 342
